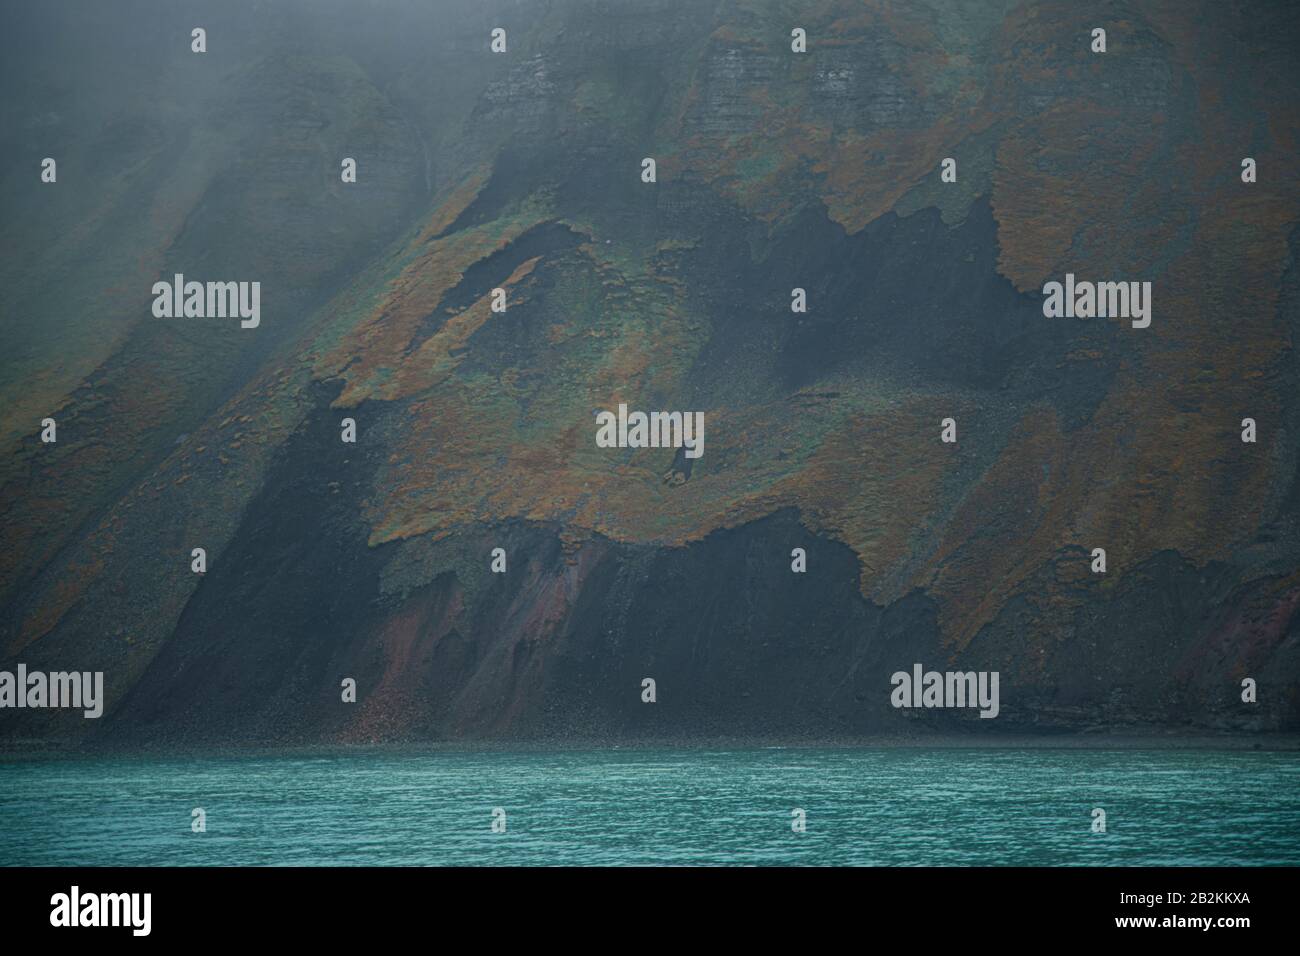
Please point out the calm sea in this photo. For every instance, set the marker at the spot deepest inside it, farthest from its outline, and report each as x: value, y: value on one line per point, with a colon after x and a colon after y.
x: 609, y: 807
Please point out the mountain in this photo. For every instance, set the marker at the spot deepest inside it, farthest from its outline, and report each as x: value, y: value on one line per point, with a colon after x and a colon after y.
x: 524, y: 171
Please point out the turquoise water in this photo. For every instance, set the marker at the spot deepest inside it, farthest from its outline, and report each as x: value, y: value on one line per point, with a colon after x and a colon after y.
x: 865, y: 807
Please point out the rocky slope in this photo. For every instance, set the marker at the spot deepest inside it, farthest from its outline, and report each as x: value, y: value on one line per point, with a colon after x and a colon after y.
x: 775, y: 170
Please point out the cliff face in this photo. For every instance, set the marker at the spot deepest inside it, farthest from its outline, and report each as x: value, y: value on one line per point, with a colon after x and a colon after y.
x: 475, y: 429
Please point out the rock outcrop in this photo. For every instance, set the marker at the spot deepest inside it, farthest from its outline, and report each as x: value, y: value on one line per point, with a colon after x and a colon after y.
x: 775, y: 170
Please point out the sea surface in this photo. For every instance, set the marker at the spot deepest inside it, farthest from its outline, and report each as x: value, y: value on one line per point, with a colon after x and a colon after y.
x: 904, y: 806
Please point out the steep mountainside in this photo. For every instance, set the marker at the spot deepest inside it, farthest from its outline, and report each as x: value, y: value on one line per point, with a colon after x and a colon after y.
x: 522, y: 171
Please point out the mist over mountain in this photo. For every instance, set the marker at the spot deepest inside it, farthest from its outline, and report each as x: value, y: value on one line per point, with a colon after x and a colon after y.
x: 523, y: 171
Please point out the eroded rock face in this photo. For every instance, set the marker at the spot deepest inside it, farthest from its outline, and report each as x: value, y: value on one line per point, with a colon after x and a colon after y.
x: 521, y: 172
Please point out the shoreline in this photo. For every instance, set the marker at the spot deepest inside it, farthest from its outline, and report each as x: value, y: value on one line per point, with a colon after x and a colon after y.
x: 12, y: 752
